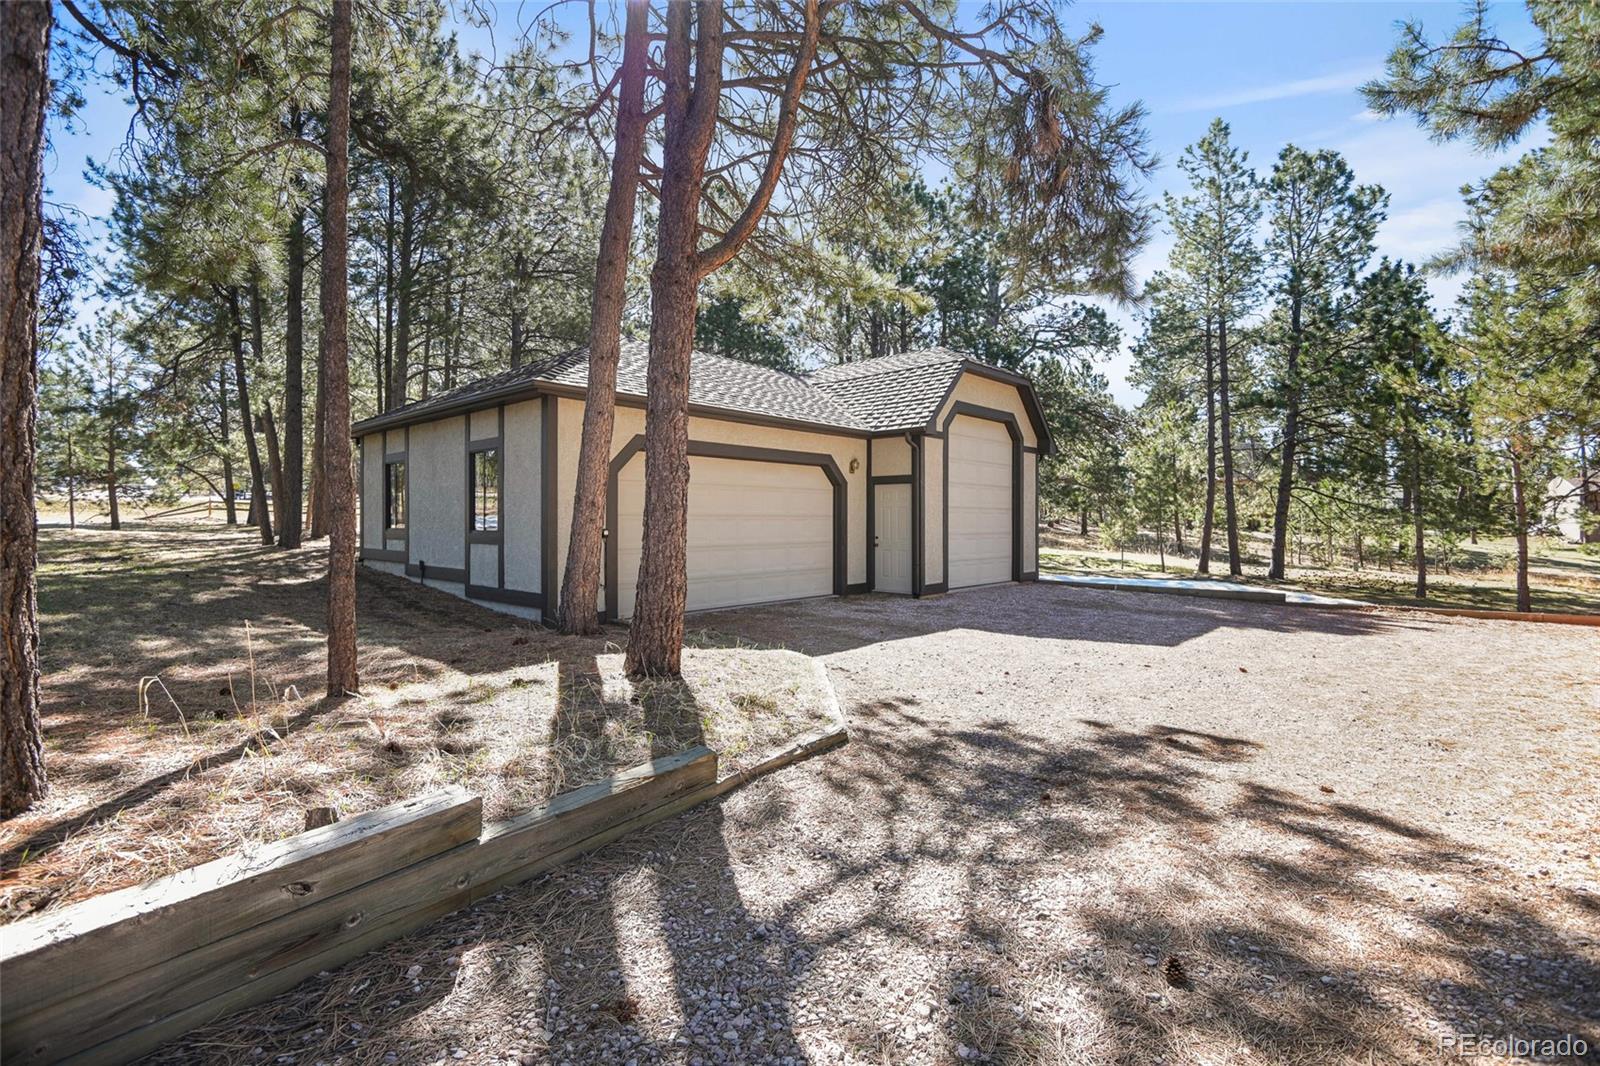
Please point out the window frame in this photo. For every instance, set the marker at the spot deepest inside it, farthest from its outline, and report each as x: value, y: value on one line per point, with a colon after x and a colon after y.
x: 389, y: 463
x: 474, y: 450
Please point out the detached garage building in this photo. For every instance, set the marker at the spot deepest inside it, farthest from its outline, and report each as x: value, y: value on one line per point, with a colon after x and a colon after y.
x: 912, y: 474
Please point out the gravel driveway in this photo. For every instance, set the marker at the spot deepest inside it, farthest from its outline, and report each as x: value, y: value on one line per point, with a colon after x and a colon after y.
x: 1072, y: 826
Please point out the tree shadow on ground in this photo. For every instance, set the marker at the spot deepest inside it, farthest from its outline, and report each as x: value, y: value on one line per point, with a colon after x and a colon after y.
x: 1032, y: 610
x: 937, y: 893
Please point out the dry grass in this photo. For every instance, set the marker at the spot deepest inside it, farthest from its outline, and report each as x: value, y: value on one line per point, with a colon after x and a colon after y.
x: 1563, y: 578
x: 181, y: 665
x: 1359, y: 832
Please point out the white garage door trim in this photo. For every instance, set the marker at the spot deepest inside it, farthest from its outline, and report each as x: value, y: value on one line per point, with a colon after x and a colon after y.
x: 808, y: 489
x: 982, y: 496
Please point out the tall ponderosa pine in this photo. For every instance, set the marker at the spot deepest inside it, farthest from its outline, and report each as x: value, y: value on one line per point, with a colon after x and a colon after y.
x: 337, y: 479
x: 1322, y: 228
x: 1215, y: 225
x: 25, y: 88
x: 580, y: 586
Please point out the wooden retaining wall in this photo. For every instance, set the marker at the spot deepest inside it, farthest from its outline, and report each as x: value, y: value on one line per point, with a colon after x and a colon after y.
x: 114, y: 977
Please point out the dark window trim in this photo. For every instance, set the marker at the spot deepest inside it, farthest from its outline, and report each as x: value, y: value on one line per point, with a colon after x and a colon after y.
x: 718, y: 450
x: 474, y: 534
x: 1014, y: 428
x: 400, y: 532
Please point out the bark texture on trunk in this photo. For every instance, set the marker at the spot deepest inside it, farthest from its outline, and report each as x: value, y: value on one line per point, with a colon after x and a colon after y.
x: 655, y: 638
x: 400, y: 362
x: 1519, y: 499
x: 294, y: 346
x: 580, y: 587
x: 655, y: 641
x: 268, y: 425
x: 337, y: 477
x: 228, y: 500
x: 111, y: 478
x: 1230, y: 511
x: 1418, y: 539
x: 25, y: 88
x: 1208, y: 520
x: 241, y: 386
x: 319, y: 424
x: 1291, y: 431
x: 269, y: 430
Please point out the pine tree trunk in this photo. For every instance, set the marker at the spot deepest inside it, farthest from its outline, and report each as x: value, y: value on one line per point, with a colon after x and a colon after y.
x: 519, y: 269
x: 294, y: 345
x: 335, y: 356
x: 25, y: 89
x: 1225, y: 426
x: 111, y: 479
x: 269, y: 430
x: 241, y: 386
x: 229, y: 502
x: 1291, y: 430
x: 1208, y: 520
x: 1519, y: 498
x: 400, y: 365
x: 1418, y: 540
x: 655, y: 639
x: 580, y: 587
x: 268, y: 426
x: 319, y: 451
x: 72, y: 487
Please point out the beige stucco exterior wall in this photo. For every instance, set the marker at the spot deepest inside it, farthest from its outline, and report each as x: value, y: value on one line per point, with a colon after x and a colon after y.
x: 521, y: 470
x: 436, y: 466
x: 484, y: 424
x: 987, y: 393
x: 891, y: 457
x: 371, y: 491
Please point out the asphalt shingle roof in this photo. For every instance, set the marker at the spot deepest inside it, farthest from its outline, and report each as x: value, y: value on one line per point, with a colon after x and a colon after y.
x: 896, y: 392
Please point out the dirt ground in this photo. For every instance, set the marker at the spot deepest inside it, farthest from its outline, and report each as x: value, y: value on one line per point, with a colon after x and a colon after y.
x: 181, y: 671
x: 1072, y: 826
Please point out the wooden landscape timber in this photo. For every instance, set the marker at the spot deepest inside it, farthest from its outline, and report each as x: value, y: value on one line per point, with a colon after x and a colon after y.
x: 112, y: 978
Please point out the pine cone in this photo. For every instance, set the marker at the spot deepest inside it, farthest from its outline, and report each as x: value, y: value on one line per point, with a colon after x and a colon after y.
x: 1174, y: 972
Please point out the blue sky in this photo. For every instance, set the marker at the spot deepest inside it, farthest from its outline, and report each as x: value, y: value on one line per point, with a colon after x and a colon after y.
x: 1283, y: 73
x: 1277, y: 72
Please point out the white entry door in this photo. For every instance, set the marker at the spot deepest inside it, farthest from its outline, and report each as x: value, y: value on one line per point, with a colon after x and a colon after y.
x: 980, y: 501
x: 891, y: 558
x: 758, y: 532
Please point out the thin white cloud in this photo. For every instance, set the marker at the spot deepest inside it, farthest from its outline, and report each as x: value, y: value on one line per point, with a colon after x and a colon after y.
x: 1343, y: 81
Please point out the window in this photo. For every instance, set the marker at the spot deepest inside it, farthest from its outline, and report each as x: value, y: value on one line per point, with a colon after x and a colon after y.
x: 486, y: 490
x: 394, y: 495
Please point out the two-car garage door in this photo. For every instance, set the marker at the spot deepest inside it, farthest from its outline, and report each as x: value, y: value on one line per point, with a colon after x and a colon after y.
x: 981, y: 501
x: 758, y: 532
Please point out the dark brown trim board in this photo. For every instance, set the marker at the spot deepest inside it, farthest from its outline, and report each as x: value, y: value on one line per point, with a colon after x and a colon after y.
x: 872, y: 522
x: 547, y: 505
x: 1009, y: 420
x: 500, y: 559
x: 425, y: 573
x: 501, y: 595
x: 530, y: 390
x: 717, y: 450
x: 919, y: 538
x: 382, y: 555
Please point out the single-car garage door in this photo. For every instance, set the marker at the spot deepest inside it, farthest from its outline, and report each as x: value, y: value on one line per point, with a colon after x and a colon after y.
x: 758, y: 532
x: 980, y: 501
